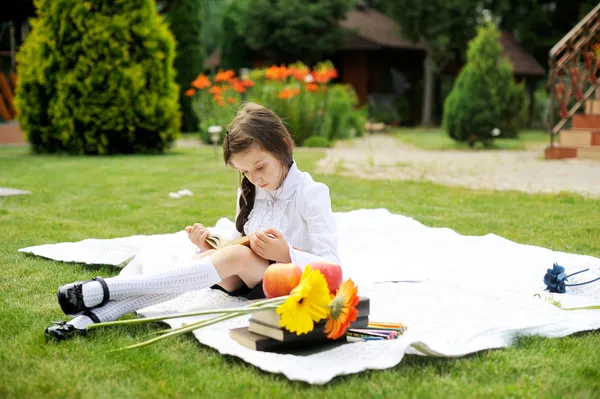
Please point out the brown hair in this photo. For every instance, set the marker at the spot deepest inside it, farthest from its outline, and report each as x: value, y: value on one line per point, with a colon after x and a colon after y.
x: 255, y: 125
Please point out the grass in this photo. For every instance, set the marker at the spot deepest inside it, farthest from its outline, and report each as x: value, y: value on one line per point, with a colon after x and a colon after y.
x: 76, y: 197
x: 438, y: 139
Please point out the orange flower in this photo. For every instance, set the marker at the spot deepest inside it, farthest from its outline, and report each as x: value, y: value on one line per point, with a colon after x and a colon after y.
x: 201, y: 82
x: 215, y: 90
x: 343, y: 310
x: 311, y: 87
x: 288, y: 93
x: 236, y: 85
x: 218, y: 97
x: 325, y: 75
x: 190, y: 92
x: 221, y: 103
x: 247, y: 83
x: 277, y: 73
x: 224, y: 76
x: 231, y: 100
x: 299, y: 71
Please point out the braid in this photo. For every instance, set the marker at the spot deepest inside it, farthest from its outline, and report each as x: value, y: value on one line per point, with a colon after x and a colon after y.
x: 246, y: 204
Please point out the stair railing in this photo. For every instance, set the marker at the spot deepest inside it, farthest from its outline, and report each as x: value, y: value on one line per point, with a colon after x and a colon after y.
x: 573, y: 70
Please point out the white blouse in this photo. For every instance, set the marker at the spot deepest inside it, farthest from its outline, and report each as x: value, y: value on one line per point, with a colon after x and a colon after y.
x: 301, y: 210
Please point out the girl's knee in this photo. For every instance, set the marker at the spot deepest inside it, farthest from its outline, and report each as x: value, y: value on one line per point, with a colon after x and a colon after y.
x: 239, y: 252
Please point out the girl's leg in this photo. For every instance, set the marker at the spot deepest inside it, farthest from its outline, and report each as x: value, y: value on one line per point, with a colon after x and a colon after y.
x: 230, y: 283
x: 236, y: 260
x: 203, y: 254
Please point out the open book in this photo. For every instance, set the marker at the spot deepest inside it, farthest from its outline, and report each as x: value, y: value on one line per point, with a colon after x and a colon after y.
x: 218, y: 241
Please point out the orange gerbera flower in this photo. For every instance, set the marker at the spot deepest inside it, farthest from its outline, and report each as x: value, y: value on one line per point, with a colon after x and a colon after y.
x: 218, y: 97
x: 231, y: 100
x: 247, y: 83
x: 201, y: 82
x: 221, y: 103
x: 190, y: 92
x: 224, y: 76
x: 215, y: 90
x: 343, y: 310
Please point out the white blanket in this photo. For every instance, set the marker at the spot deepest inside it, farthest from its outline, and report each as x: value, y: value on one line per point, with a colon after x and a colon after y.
x: 457, y: 294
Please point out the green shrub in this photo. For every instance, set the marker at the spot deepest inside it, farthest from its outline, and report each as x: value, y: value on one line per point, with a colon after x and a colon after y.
x: 185, y: 22
x: 513, y: 101
x: 317, y: 142
x: 98, y: 78
x: 358, y: 119
x: 472, y: 110
x: 541, y: 111
x: 338, y: 119
x: 485, y: 96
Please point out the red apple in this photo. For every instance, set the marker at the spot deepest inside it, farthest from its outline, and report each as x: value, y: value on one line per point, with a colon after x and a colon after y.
x: 280, y: 279
x: 331, y: 271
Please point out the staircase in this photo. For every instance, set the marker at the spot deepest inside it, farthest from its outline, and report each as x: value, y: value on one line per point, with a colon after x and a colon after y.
x: 575, y: 92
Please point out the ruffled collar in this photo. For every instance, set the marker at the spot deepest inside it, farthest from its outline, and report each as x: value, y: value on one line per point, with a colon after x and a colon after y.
x: 286, y: 190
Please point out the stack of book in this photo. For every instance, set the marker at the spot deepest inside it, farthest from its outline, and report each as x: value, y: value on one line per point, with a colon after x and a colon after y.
x: 263, y: 332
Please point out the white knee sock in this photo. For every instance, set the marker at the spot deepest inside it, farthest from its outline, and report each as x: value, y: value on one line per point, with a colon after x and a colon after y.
x: 194, y: 275
x: 115, y: 309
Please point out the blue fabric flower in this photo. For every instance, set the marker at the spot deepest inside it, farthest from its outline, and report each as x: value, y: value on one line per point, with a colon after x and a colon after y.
x: 555, y: 279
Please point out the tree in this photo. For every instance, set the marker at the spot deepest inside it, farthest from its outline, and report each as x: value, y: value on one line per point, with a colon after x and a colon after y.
x: 485, y: 100
x: 234, y: 51
x: 444, y: 25
x: 98, y: 78
x: 185, y: 20
x: 212, y: 24
x: 285, y: 31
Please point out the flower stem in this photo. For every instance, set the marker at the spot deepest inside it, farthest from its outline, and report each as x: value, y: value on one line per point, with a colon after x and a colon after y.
x: 255, y: 306
x: 180, y: 331
x: 583, y: 308
x: 587, y: 282
x: 240, y: 313
x: 581, y: 271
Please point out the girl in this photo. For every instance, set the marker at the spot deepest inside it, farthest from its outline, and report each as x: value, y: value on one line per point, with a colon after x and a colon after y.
x: 286, y: 215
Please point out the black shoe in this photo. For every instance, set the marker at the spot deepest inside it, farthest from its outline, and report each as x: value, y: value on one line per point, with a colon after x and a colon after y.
x: 70, y: 296
x: 61, y: 330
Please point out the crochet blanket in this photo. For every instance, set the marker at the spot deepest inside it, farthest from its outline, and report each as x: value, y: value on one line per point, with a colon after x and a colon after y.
x: 457, y: 294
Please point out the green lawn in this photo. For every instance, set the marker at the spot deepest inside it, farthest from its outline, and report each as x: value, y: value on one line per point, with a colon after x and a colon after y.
x: 438, y: 139
x: 77, y: 197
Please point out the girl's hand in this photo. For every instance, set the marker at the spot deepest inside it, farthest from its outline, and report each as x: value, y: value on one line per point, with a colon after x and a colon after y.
x: 270, y: 244
x: 197, y: 235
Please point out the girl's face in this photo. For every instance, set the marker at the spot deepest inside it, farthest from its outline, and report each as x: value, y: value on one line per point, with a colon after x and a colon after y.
x: 260, y: 167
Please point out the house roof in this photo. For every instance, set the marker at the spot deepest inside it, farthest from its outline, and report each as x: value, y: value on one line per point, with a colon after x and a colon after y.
x: 374, y: 30
x: 523, y: 63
